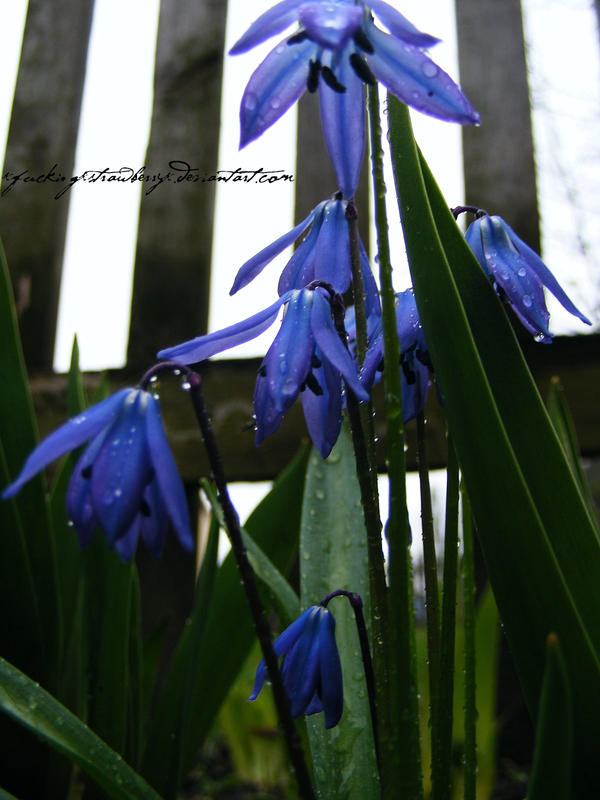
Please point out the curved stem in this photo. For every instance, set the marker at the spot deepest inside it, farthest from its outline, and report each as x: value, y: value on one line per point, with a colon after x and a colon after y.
x: 247, y: 575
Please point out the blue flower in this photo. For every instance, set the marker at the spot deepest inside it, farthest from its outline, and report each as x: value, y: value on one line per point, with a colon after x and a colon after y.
x: 323, y: 255
x: 126, y: 480
x: 306, y: 356
x: 518, y: 274
x: 337, y: 50
x: 311, y: 669
x: 414, y: 355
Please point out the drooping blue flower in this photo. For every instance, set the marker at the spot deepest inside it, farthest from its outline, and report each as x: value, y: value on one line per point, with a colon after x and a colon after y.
x: 307, y: 356
x: 311, y: 669
x: 126, y: 481
x: 323, y: 255
x: 337, y: 50
x: 415, y: 362
x: 518, y: 274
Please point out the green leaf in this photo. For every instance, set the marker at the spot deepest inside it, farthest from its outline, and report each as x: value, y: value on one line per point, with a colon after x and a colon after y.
x: 333, y: 555
x: 551, y: 771
x: 37, y: 710
x: 542, y: 553
x: 562, y: 420
x: 284, y: 597
x: 30, y: 523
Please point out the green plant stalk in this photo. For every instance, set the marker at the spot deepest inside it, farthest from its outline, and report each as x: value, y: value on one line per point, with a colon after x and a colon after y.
x: 400, y: 744
x: 261, y: 624
x: 432, y: 597
x: 470, y: 760
x: 441, y: 767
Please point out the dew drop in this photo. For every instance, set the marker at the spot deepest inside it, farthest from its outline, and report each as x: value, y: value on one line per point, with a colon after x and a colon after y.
x: 320, y: 494
x: 250, y: 102
x: 275, y: 103
x: 429, y: 69
x: 522, y: 272
x: 527, y: 301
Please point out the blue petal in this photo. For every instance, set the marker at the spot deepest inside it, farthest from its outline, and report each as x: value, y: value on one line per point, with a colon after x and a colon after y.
x: 203, y: 347
x: 268, y: 419
x: 154, y: 525
x: 343, y: 120
x: 80, y: 509
x: 68, y: 437
x: 300, y: 269
x: 167, y: 477
x: 257, y: 263
x: 372, y: 303
x: 281, y: 646
x: 331, y: 25
x: 121, y: 469
x: 288, y: 361
x: 372, y: 361
x: 273, y: 21
x: 414, y: 395
x: 522, y: 287
x: 332, y: 689
x: 323, y: 413
x: 332, y: 253
x: 408, y: 324
x: 473, y: 237
x: 535, y: 263
x: 417, y: 80
x: 126, y: 544
x: 301, y: 665
x: 399, y: 26
x: 332, y: 347
x: 273, y: 87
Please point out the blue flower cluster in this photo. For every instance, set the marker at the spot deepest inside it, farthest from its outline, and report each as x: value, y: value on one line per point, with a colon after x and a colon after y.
x: 337, y: 50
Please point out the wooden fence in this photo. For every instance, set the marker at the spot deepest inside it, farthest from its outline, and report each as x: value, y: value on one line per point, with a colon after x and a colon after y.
x: 175, y: 226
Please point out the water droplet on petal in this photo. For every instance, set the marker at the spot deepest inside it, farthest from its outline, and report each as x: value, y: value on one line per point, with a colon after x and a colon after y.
x: 527, y: 301
x: 522, y: 272
x: 429, y: 69
x: 250, y: 102
x: 275, y: 103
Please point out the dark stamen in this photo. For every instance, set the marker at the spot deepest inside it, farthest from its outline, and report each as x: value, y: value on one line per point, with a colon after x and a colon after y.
x: 145, y: 510
x: 360, y: 66
x: 313, y: 384
x: 332, y: 81
x: 86, y: 472
x: 360, y: 38
x: 315, y: 361
x: 298, y: 37
x: 312, y: 82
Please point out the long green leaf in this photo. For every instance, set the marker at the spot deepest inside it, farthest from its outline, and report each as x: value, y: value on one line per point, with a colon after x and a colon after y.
x: 523, y: 494
x: 551, y: 772
x: 333, y: 556
x: 284, y: 597
x: 37, y: 710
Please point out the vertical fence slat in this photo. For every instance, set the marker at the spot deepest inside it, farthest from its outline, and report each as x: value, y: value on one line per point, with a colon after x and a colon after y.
x: 43, y: 135
x: 172, y: 270
x: 498, y: 156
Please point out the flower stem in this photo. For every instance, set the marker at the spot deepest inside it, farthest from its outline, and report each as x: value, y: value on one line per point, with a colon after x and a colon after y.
x: 247, y: 575
x: 470, y: 778
x: 400, y: 744
x: 356, y: 602
x: 432, y: 601
x: 442, y: 744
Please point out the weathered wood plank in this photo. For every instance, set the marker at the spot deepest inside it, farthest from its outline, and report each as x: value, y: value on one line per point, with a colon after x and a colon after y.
x: 498, y: 155
x: 41, y: 145
x: 229, y: 389
x: 172, y: 269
